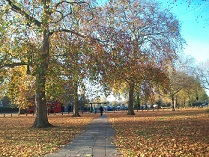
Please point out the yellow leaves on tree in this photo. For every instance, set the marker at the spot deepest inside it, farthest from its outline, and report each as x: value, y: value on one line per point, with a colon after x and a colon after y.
x: 21, y: 86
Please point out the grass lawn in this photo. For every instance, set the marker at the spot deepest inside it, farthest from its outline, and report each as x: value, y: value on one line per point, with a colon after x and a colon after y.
x: 181, y: 133
x: 18, y: 139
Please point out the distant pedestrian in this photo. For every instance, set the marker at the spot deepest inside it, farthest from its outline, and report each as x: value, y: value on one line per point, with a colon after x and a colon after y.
x: 101, y: 110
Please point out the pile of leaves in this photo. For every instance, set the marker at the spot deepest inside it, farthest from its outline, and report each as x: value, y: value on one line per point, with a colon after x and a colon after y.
x: 162, y: 133
x: 18, y: 139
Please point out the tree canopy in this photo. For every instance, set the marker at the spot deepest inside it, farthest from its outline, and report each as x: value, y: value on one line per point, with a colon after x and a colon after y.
x: 141, y: 39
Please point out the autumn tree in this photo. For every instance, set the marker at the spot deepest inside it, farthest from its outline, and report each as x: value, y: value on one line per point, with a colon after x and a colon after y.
x: 42, y: 19
x: 203, y: 74
x: 74, y: 62
x: 140, y: 38
x: 192, y: 93
x: 3, y: 53
x: 55, y: 83
x: 178, y: 82
x: 196, y: 91
x: 76, y: 55
x: 14, y: 82
x: 20, y: 86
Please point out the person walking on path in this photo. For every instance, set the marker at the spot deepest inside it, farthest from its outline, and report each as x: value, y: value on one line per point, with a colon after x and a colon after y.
x: 101, y: 110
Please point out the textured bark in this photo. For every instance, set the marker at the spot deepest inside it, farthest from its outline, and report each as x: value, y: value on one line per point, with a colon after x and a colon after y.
x: 40, y: 99
x: 41, y: 120
x: 131, y: 100
x: 75, y: 108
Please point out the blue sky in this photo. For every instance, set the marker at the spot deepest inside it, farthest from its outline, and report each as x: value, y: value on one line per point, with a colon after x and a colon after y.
x: 194, y: 18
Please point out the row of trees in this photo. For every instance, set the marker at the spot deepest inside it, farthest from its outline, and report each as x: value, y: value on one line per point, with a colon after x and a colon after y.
x: 59, y: 45
x: 184, y: 87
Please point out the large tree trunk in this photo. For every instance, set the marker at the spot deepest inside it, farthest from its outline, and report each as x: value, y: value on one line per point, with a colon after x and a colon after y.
x: 131, y: 100
x: 41, y: 120
x: 40, y: 99
x: 75, y: 108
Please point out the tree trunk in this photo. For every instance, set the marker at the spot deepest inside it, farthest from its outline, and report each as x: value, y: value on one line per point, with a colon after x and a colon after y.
x: 131, y: 100
x: 138, y: 101
x: 75, y: 108
x: 173, y: 106
x: 41, y: 120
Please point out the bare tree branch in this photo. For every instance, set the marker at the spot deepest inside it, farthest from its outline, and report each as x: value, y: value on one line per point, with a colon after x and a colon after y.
x: 62, y: 16
x: 22, y: 12
x: 71, y: 3
x: 60, y: 3
x: 76, y: 33
x: 12, y: 65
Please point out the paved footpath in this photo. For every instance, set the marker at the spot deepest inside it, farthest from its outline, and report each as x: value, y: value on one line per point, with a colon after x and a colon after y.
x: 95, y: 141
